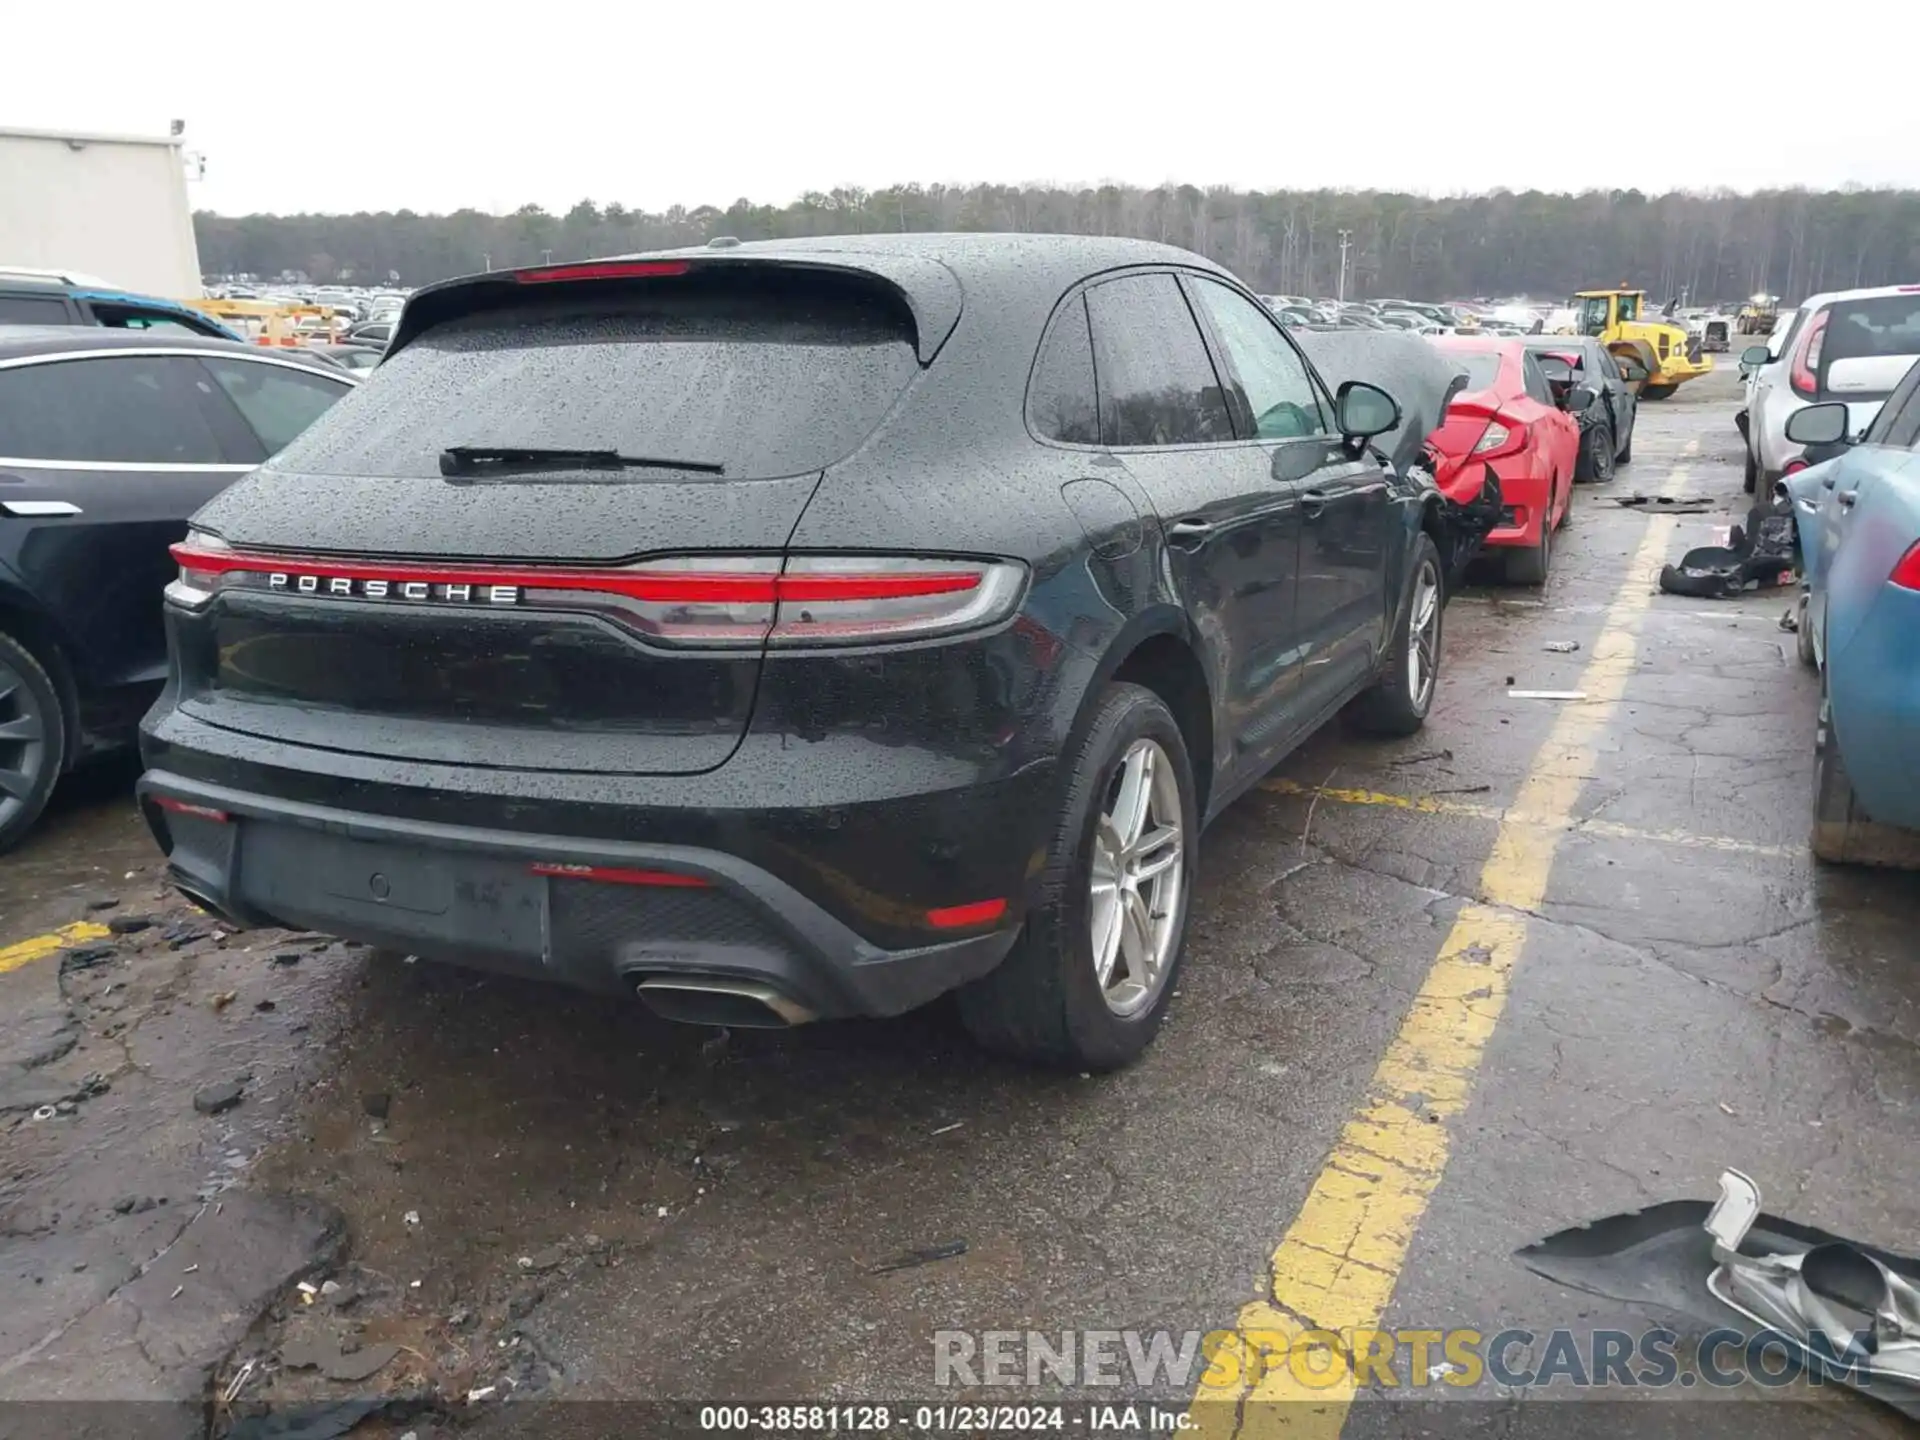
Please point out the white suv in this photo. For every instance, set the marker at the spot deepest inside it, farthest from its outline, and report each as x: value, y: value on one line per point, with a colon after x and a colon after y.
x: 1848, y: 345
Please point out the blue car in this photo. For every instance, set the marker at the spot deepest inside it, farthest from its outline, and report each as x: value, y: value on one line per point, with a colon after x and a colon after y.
x: 1859, y: 521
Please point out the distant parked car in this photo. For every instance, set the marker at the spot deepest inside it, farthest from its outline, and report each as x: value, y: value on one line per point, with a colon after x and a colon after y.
x: 355, y: 359
x: 109, y: 440
x: 1508, y: 421
x: 878, y: 654
x: 1606, y: 425
x: 373, y: 335
x: 35, y: 298
x: 1849, y: 346
x: 1859, y: 523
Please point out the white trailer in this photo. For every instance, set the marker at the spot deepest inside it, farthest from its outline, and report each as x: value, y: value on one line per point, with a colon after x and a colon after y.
x: 111, y: 206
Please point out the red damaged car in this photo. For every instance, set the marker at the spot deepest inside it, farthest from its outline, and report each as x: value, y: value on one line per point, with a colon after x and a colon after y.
x: 1508, y: 418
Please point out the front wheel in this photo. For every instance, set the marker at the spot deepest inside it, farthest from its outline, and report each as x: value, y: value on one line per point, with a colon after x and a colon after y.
x: 1657, y: 392
x: 1803, y: 632
x: 1088, y: 982
x: 1399, y: 701
x: 1595, y: 461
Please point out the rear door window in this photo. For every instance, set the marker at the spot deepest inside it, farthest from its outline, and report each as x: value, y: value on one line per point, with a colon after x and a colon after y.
x: 278, y: 402
x: 1157, y: 384
x: 35, y: 310
x: 765, y: 374
x: 1867, y: 345
x: 134, y: 409
x: 1061, y: 401
x: 1898, y: 423
x: 1536, y: 381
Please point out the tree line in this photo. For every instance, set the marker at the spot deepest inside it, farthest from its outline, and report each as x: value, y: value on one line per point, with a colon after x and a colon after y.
x: 1718, y: 246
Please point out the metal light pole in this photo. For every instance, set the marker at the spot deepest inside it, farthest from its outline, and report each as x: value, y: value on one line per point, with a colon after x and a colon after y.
x: 1346, y: 238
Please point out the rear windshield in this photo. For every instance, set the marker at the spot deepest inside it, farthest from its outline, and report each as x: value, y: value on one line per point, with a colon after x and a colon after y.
x: 1888, y: 325
x: 1482, y: 369
x: 766, y: 376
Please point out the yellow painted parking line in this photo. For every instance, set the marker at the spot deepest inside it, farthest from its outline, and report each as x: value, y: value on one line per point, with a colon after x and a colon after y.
x: 22, y: 952
x: 1606, y: 829
x: 1283, y: 1370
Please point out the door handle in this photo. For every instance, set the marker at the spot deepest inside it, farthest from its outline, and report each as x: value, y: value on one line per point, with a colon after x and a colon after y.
x: 38, y: 509
x: 1313, y: 502
x: 1189, y: 534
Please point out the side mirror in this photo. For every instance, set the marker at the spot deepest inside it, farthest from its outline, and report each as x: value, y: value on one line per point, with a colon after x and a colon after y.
x: 1365, y: 410
x: 1818, y: 424
x: 1754, y: 356
x: 1576, y: 400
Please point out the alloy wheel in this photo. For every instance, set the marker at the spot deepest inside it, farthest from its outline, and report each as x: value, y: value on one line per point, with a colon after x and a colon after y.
x: 1138, y: 879
x: 24, y: 751
x: 1423, y: 635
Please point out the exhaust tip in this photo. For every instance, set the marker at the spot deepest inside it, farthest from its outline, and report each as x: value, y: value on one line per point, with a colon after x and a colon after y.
x: 705, y: 1000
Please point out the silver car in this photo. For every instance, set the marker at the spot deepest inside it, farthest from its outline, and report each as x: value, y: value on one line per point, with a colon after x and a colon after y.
x: 1847, y: 345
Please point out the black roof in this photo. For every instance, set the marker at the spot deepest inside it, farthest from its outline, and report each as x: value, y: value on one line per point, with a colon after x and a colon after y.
x: 18, y: 340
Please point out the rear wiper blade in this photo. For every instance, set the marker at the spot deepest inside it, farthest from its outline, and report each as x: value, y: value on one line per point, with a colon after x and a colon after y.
x: 465, y: 459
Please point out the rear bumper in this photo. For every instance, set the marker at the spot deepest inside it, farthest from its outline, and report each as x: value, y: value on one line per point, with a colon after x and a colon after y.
x: 489, y: 899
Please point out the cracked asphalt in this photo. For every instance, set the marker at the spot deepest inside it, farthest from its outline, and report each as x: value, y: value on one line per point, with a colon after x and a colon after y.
x: 525, y: 1188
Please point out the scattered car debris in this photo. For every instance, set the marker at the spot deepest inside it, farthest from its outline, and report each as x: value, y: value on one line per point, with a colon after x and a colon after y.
x: 1758, y: 556
x: 412, y: 1217
x: 1561, y: 647
x: 949, y: 1129
x: 286, y: 957
x: 238, y: 1382
x: 1851, y: 1309
x: 377, y: 1104
x: 481, y: 1394
x: 47, y: 1112
x: 927, y: 1255
x: 129, y: 924
x: 1790, y: 622
x: 225, y: 998
x: 1667, y: 504
x: 325, y: 1355
x: 216, y: 1099
x: 1424, y: 756
x: 85, y: 957
x: 543, y: 1260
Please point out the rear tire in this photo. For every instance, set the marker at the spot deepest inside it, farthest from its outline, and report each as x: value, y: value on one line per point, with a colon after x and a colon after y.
x: 1842, y: 832
x: 1398, y: 703
x: 1530, y: 567
x: 33, y: 740
x: 1625, y: 457
x: 1595, y: 460
x: 1048, y: 1001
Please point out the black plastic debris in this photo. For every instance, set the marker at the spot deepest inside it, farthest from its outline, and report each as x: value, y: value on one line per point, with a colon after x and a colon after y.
x: 1666, y: 504
x: 926, y: 1255
x: 1762, y: 555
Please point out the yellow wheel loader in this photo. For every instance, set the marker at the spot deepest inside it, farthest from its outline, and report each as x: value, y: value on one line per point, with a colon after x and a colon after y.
x: 1655, y: 351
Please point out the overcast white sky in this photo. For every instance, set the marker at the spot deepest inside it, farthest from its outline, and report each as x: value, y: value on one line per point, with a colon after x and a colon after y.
x: 380, y: 104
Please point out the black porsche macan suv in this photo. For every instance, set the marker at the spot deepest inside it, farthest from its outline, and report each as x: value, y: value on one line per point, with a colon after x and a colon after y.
x: 793, y: 630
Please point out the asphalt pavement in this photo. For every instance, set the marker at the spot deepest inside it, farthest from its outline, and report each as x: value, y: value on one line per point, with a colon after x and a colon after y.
x: 1551, y: 959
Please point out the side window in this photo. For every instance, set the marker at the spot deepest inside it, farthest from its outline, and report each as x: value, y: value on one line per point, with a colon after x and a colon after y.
x: 1269, y: 387
x: 134, y: 409
x: 1156, y: 382
x: 1535, y: 380
x: 1061, y: 401
x: 1603, y: 362
x: 34, y: 310
x: 277, y: 401
x: 1898, y: 423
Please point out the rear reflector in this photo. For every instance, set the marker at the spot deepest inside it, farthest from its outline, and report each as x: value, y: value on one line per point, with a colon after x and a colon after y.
x: 187, y: 807
x: 959, y: 917
x: 1907, y: 573
x: 601, y: 270
x: 614, y: 875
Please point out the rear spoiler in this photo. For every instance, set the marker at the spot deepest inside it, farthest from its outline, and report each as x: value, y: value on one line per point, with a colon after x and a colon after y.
x: 929, y: 289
